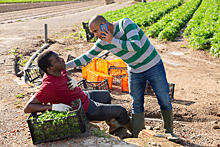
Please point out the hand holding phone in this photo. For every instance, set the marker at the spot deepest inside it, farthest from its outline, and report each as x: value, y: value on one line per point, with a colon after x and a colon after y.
x: 103, y: 27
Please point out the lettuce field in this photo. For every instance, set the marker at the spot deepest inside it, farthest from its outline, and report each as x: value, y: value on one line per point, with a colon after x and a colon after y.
x: 198, y: 20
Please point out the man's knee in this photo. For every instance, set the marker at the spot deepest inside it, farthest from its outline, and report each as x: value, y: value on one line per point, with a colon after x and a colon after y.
x: 106, y: 94
x: 102, y: 96
x: 166, y: 106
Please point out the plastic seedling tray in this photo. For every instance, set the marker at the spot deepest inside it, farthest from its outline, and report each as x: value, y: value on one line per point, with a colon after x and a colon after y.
x: 54, y: 125
x: 98, y: 85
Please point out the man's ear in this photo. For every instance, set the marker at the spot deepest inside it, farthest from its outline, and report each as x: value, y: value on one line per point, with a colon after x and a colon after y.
x: 49, y: 70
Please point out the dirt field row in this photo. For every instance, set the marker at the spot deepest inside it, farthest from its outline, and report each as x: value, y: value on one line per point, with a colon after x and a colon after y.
x: 25, y: 12
x: 195, y: 73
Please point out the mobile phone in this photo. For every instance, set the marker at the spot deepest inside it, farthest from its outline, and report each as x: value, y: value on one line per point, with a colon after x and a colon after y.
x: 103, y: 27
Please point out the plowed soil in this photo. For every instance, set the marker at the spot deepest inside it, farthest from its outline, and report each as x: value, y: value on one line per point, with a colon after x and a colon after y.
x: 195, y: 73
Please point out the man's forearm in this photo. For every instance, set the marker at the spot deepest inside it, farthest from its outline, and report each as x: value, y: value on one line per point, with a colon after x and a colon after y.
x: 85, y: 58
x: 70, y: 64
x: 37, y: 108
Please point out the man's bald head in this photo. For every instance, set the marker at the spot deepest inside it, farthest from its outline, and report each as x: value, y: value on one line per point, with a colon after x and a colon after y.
x: 97, y: 20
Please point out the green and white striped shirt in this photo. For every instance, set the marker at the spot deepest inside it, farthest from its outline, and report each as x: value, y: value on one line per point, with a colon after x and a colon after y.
x: 129, y: 43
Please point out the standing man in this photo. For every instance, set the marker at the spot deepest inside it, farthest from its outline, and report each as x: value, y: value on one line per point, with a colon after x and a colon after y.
x: 127, y: 41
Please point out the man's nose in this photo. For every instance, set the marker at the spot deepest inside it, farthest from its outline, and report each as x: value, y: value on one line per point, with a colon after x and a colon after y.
x: 95, y: 34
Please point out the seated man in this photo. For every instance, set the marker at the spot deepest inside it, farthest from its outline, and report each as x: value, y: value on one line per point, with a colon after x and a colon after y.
x: 55, y: 90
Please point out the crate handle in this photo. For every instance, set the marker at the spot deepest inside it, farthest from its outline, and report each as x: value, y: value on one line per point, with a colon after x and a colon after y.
x: 74, y: 104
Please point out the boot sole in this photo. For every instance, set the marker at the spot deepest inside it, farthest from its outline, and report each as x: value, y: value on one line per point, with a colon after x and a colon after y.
x: 112, y: 132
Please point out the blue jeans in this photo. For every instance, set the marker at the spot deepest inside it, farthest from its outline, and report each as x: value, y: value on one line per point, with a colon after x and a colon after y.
x: 100, y: 107
x: 156, y: 76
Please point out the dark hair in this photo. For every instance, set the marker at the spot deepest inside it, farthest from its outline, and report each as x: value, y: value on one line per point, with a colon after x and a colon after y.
x: 43, y: 61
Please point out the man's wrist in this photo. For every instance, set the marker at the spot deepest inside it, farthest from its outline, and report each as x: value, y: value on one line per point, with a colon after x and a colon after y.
x: 49, y: 107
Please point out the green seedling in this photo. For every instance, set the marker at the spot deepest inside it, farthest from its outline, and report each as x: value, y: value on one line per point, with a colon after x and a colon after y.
x: 100, y: 133
x: 67, y: 48
x: 184, y: 46
x: 15, y: 48
x: 31, y: 83
x: 17, y: 103
x: 13, y: 52
x: 107, y: 136
x: 75, y: 35
x: 24, y: 61
x: 20, y: 96
x: 66, y: 37
x: 38, y: 36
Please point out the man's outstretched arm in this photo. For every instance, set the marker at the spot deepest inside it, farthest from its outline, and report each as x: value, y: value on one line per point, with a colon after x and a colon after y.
x: 34, y: 105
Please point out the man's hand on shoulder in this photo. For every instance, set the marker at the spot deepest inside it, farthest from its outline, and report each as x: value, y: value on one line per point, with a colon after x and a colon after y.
x: 72, y: 83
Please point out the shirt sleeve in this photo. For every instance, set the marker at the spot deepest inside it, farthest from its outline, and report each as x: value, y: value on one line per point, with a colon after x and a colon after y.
x: 133, y: 42
x: 83, y: 59
x: 46, y: 94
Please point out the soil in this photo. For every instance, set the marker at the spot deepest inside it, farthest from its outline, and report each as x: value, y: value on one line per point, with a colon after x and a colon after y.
x: 195, y: 73
x: 9, y: 7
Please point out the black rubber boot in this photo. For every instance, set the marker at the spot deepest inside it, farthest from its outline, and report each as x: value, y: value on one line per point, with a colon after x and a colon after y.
x: 113, y: 125
x: 168, y: 125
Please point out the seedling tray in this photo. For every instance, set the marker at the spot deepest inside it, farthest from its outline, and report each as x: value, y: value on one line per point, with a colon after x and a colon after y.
x: 73, y: 123
x: 98, y: 85
x: 33, y: 73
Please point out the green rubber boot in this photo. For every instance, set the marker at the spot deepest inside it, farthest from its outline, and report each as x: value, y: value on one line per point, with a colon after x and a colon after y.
x: 168, y: 125
x: 138, y: 123
x: 113, y: 125
x: 129, y: 126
